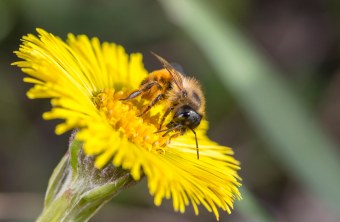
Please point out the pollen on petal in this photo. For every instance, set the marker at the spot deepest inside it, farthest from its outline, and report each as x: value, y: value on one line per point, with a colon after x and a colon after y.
x: 123, y: 117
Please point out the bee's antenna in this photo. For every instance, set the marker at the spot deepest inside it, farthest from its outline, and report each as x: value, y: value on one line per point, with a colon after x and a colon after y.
x: 198, y: 154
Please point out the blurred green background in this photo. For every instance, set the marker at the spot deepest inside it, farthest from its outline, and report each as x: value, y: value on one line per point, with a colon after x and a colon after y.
x: 271, y: 75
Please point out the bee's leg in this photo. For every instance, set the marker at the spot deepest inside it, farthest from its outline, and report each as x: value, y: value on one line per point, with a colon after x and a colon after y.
x: 167, y: 112
x: 153, y: 102
x: 173, y: 136
x: 134, y: 94
x: 144, y: 88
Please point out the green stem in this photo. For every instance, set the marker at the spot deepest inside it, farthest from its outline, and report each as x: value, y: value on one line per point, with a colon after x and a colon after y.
x: 77, y: 190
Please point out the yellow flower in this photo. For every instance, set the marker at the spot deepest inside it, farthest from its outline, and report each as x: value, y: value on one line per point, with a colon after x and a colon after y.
x: 85, y: 81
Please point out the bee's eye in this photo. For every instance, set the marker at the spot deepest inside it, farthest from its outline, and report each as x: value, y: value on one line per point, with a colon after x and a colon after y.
x: 186, y: 116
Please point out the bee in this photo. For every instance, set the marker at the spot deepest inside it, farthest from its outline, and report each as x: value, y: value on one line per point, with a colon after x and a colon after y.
x: 183, y: 96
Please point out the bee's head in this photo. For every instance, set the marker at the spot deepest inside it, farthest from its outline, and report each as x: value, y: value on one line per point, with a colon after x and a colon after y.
x: 187, y: 117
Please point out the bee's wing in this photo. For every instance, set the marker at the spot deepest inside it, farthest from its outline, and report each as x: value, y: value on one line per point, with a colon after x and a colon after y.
x: 177, y: 76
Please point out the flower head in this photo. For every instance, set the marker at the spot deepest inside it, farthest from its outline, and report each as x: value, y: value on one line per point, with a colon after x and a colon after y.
x: 85, y: 80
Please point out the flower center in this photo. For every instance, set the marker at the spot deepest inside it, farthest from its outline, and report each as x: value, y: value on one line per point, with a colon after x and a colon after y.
x: 123, y: 117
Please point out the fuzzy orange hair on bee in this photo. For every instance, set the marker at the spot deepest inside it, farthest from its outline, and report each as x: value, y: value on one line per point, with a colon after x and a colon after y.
x: 183, y: 96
